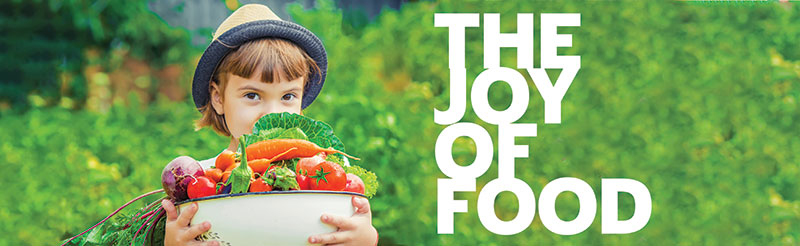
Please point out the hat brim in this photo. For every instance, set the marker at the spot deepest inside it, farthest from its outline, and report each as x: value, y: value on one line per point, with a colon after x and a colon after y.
x: 253, y: 30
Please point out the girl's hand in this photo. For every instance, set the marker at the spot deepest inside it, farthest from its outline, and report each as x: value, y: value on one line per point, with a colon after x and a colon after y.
x: 177, y: 229
x: 355, y: 230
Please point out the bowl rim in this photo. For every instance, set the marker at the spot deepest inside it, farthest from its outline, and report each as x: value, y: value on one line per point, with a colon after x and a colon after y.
x: 220, y: 196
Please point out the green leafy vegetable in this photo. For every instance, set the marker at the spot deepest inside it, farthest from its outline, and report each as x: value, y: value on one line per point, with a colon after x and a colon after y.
x: 338, y: 159
x: 266, y: 134
x: 277, y: 133
x: 290, y: 163
x: 369, y: 178
x: 316, y: 131
x: 282, y: 178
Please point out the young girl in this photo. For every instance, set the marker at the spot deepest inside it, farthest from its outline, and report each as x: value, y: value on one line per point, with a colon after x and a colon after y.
x: 258, y: 64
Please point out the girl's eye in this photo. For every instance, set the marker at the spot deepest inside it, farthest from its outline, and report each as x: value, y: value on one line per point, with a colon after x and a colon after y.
x: 252, y: 96
x: 288, y: 97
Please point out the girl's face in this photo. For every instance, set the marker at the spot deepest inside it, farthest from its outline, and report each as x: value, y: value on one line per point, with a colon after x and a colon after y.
x: 247, y: 99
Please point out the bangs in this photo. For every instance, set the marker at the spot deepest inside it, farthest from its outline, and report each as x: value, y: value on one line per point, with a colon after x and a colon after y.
x: 274, y: 58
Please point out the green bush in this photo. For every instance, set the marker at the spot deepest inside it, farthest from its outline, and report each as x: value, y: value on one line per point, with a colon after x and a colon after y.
x: 696, y: 101
x: 50, y: 38
x: 71, y: 168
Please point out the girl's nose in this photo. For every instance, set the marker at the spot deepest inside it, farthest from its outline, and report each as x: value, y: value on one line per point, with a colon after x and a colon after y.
x: 268, y: 109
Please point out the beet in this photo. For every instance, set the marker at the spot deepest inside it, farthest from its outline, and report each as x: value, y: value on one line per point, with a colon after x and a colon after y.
x: 177, y: 176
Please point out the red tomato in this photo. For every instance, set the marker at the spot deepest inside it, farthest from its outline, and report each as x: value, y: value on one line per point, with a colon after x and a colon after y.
x: 258, y: 185
x: 305, y: 165
x: 354, y: 184
x: 201, y: 187
x: 225, y: 160
x: 303, y: 181
x: 327, y: 176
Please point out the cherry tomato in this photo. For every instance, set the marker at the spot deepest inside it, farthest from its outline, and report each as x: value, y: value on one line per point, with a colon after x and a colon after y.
x: 327, y: 176
x: 258, y: 185
x: 305, y: 165
x: 354, y: 184
x: 201, y: 187
x: 225, y: 160
x: 214, y: 174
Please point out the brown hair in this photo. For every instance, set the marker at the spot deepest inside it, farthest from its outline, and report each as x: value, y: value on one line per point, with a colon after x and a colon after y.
x: 274, y: 58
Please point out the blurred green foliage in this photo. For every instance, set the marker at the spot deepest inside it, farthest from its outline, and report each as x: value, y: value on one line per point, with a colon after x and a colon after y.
x: 46, y: 55
x: 698, y: 101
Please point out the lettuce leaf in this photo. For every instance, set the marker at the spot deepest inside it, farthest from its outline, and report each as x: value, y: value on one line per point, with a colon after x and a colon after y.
x: 277, y: 133
x: 337, y: 158
x: 315, y: 131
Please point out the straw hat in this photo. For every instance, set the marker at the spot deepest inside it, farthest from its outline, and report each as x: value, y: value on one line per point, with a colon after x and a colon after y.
x: 250, y: 22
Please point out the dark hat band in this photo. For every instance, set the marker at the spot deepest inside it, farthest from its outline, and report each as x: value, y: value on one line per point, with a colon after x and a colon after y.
x: 253, y: 30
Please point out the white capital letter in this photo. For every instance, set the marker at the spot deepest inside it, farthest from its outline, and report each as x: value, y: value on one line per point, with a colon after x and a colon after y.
x: 552, y: 94
x: 551, y: 40
x: 458, y: 99
x: 444, y: 148
x: 507, y: 150
x: 586, y: 200
x: 493, y: 40
x: 519, y: 95
x: 456, y: 22
x: 525, y: 198
x: 447, y: 205
x: 641, y: 209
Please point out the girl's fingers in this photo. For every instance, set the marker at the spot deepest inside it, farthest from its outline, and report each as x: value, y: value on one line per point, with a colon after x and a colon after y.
x: 330, y: 238
x: 196, y: 230
x: 337, y: 221
x: 187, y: 214
x: 361, y: 204
x: 172, y: 215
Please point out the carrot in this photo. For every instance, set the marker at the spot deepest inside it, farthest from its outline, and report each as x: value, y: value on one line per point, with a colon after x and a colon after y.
x: 215, y: 174
x: 225, y: 176
x: 270, y: 149
x: 261, y: 165
x: 225, y: 160
x: 232, y: 166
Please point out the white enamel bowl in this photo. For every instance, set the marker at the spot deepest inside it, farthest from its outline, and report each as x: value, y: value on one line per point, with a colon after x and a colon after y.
x: 269, y: 218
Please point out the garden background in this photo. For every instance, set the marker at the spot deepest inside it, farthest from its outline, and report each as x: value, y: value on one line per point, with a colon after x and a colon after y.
x: 698, y: 101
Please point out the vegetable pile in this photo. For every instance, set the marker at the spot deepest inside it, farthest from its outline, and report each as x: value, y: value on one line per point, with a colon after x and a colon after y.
x: 284, y: 152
